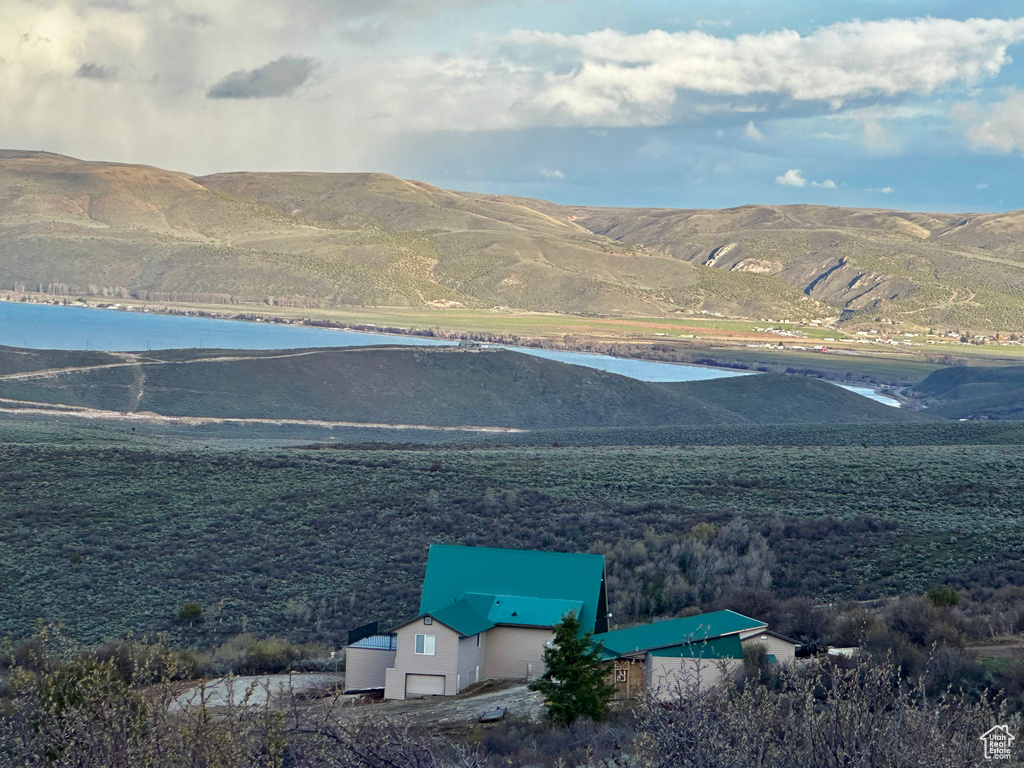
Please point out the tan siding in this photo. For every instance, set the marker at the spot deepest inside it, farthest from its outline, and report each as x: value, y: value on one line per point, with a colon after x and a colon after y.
x: 782, y: 650
x: 471, y: 659
x: 365, y: 668
x: 443, y: 662
x: 668, y: 677
x: 515, y: 652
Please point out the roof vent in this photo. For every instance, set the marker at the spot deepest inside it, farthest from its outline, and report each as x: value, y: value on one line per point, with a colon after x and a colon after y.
x: 515, y: 613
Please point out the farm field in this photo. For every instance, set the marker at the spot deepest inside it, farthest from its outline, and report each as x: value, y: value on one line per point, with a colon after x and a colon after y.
x: 107, y: 531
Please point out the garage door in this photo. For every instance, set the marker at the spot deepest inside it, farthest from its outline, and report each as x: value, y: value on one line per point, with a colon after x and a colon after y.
x: 424, y: 685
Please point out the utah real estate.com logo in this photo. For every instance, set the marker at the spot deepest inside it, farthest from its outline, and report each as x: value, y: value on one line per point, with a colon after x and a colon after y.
x: 997, y: 742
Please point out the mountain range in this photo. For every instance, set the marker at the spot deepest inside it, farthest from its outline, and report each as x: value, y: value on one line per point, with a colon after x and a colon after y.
x: 72, y: 227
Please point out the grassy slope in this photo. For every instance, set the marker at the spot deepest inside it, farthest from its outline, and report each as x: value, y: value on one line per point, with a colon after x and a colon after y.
x: 966, y: 393
x: 790, y: 399
x: 444, y: 388
x: 372, y: 239
x: 919, y: 268
x: 312, y: 240
x: 16, y: 360
x: 113, y: 533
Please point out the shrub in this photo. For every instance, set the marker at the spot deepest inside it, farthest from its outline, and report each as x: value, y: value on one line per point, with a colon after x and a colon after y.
x: 943, y: 597
x: 190, y: 612
x: 273, y: 654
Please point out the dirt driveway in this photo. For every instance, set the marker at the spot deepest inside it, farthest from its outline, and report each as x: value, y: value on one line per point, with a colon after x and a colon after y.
x: 257, y: 691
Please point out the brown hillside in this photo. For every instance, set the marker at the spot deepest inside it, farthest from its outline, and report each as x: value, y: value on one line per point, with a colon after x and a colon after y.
x: 313, y: 239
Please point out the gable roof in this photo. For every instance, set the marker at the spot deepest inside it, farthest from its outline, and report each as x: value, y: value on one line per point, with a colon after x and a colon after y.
x: 675, y: 632
x: 493, y: 584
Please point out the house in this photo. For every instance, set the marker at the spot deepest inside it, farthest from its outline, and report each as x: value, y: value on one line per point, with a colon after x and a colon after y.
x: 485, y: 613
x: 701, y: 650
x: 366, y: 662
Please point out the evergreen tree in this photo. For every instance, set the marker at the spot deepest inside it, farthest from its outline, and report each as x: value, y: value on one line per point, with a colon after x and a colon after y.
x: 575, y: 684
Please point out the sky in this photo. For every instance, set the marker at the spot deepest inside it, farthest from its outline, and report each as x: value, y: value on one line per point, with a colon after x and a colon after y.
x: 871, y: 103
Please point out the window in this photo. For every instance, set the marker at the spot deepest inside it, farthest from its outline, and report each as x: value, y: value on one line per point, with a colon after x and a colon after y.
x: 425, y: 645
x: 477, y: 639
x: 428, y: 620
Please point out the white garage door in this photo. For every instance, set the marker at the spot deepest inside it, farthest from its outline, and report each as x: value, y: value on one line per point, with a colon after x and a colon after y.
x: 424, y: 685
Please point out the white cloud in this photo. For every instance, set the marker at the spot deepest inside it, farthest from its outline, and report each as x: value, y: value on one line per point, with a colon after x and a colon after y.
x: 791, y: 178
x: 656, y: 148
x: 874, y: 134
x: 635, y: 79
x: 552, y: 174
x: 705, y: 23
x: 794, y: 177
x: 982, y: 186
x: 881, y: 190
x: 1000, y: 127
x: 127, y: 79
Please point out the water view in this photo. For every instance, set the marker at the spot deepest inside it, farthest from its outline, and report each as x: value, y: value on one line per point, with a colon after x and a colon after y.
x: 44, y: 326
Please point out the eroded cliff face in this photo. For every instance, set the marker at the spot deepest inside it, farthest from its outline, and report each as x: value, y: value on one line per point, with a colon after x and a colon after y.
x: 925, y: 268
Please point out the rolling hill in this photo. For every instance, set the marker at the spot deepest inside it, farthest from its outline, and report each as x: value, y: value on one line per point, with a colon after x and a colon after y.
x: 306, y: 239
x: 423, y: 386
x: 974, y: 393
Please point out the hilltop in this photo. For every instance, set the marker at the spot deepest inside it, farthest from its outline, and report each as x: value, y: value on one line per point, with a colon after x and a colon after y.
x: 417, y: 386
x: 974, y: 393
x: 71, y: 227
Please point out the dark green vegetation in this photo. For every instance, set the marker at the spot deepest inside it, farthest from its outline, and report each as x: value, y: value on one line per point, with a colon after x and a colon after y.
x: 575, y: 682
x: 431, y: 386
x: 974, y: 393
x: 109, y: 532
x: 325, y: 240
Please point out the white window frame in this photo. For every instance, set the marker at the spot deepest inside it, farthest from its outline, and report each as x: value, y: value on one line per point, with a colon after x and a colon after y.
x: 428, y: 620
x: 428, y: 643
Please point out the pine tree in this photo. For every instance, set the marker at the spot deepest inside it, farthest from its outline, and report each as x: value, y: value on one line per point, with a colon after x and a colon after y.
x: 574, y: 686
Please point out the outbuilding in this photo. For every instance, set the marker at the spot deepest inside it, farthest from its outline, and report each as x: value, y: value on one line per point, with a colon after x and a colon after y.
x: 696, y: 652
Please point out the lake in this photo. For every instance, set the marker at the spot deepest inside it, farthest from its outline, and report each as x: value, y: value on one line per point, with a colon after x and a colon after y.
x: 45, y: 326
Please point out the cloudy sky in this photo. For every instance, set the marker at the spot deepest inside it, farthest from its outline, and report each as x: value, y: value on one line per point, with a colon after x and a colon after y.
x: 881, y: 103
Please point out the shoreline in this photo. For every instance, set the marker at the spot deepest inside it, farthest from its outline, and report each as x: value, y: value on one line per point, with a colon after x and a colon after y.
x: 673, y: 351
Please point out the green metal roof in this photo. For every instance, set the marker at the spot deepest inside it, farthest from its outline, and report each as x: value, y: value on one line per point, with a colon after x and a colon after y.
x: 727, y: 647
x: 476, y: 613
x: 675, y: 632
x: 535, y: 585
x: 461, y: 617
x: 531, y: 611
